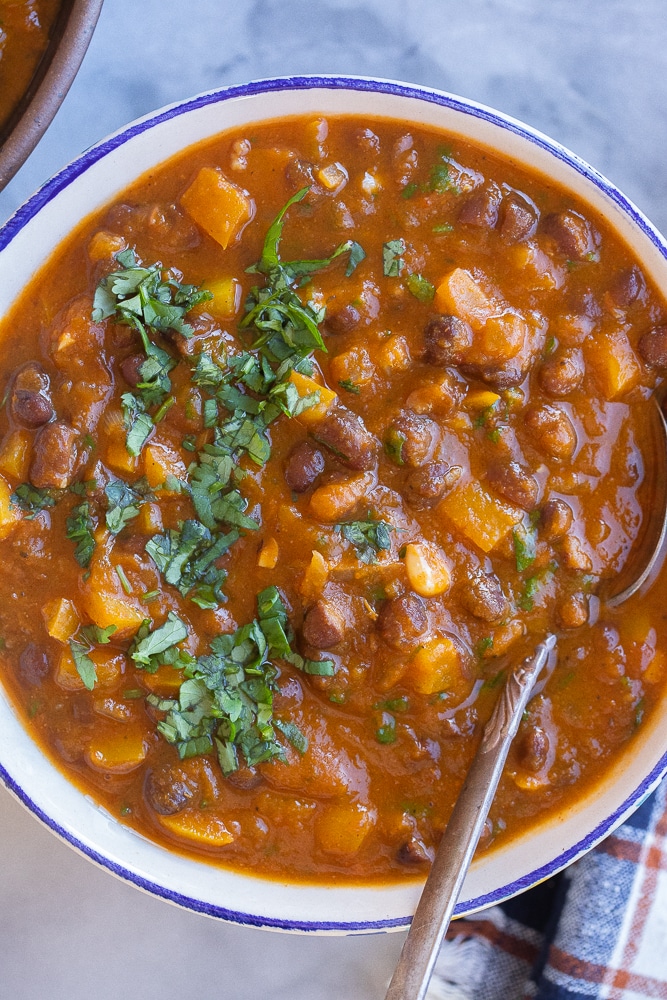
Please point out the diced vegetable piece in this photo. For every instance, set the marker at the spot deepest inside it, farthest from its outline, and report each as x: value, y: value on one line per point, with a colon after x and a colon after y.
x: 305, y: 386
x: 436, y: 666
x: 9, y: 514
x: 165, y: 681
x: 353, y: 367
x: 482, y: 518
x: 15, y: 454
x: 334, y: 501
x: 108, y: 667
x: 226, y: 300
x: 61, y: 619
x: 342, y: 827
x: 104, y: 599
x: 333, y: 177
x: 268, y: 555
x: 427, y: 569
x: 220, y: 207
x: 202, y: 827
x: 149, y: 519
x: 613, y: 362
x: 459, y: 294
x: 503, y: 638
x: 501, y: 338
x: 536, y: 268
x: 104, y: 245
x: 160, y: 461
x: 394, y: 355
x: 315, y: 577
x: 117, y: 752
x: 118, y: 457
x: 481, y: 399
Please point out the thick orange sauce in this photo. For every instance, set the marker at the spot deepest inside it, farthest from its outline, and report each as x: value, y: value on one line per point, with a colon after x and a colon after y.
x: 507, y: 465
x: 25, y: 28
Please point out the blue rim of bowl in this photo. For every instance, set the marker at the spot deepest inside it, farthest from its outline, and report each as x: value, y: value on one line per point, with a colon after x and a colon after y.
x: 79, y: 166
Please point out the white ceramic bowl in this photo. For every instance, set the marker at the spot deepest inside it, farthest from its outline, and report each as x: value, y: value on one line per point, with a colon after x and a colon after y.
x: 28, y: 239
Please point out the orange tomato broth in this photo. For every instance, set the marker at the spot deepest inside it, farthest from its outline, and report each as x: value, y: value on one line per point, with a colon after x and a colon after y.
x: 470, y: 469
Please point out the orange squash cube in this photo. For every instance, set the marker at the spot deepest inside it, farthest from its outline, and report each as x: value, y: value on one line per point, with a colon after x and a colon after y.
x: 221, y: 208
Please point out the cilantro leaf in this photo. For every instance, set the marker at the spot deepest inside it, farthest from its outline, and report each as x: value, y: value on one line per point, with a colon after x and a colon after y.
x: 80, y: 527
x: 31, y: 499
x: 124, y: 502
x: 85, y: 667
x: 138, y: 422
x: 147, y: 648
x: 420, y: 287
x: 525, y: 541
x: 392, y: 259
x: 186, y: 558
x: 368, y: 537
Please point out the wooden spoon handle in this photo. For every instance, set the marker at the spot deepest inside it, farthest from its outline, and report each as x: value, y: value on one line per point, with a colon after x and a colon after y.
x: 443, y: 885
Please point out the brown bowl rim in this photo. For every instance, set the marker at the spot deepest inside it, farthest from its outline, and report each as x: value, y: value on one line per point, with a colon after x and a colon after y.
x: 67, y: 46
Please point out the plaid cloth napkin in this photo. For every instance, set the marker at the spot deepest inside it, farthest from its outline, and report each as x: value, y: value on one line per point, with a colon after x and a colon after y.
x: 597, y: 930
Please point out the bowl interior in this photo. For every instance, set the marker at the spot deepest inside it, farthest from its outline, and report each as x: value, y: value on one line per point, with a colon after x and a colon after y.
x: 68, y: 42
x: 28, y: 239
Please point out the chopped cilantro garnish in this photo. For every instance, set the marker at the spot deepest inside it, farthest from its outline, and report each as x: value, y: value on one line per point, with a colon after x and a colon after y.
x: 186, y: 558
x: 124, y: 502
x: 150, y: 646
x: 86, y: 668
x: 386, y: 732
x: 420, y: 287
x: 368, y: 537
x: 525, y: 541
x: 226, y: 700
x: 393, y: 445
x: 443, y: 227
x: 145, y: 297
x: 31, y: 499
x: 80, y: 526
x: 485, y: 643
x: 409, y: 190
x: 349, y: 386
x: 440, y: 179
x: 392, y: 259
x: 124, y: 582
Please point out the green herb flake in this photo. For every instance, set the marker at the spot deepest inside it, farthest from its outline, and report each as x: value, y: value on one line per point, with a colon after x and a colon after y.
x: 349, y: 386
x: 386, y: 732
x: 392, y: 258
x: 393, y: 445
x: 443, y: 227
x: 79, y: 529
x: 147, y: 648
x: 420, y: 287
x: 525, y: 547
x: 84, y: 665
x: 31, y: 499
x: 124, y: 582
x: 368, y: 537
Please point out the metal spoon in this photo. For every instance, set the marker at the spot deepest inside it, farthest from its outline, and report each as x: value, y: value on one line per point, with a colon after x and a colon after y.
x: 454, y: 855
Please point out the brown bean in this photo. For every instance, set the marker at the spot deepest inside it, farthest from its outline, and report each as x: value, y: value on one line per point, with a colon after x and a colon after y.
x: 447, y: 340
x: 556, y: 519
x: 168, y: 789
x: 483, y: 597
x: 411, y: 439
x: 55, y: 456
x: 628, y: 286
x: 414, y: 852
x: 574, y: 235
x: 402, y: 621
x: 514, y: 484
x: 344, y: 434
x: 304, y: 465
x: 552, y: 430
x: 518, y: 218
x: 30, y: 401
x: 131, y: 369
x: 562, y: 373
x: 324, y: 625
x: 534, y: 749
x: 33, y: 664
x: 428, y: 483
x: 245, y: 777
x: 653, y: 346
x: 500, y: 377
x: 342, y: 321
x: 481, y: 208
